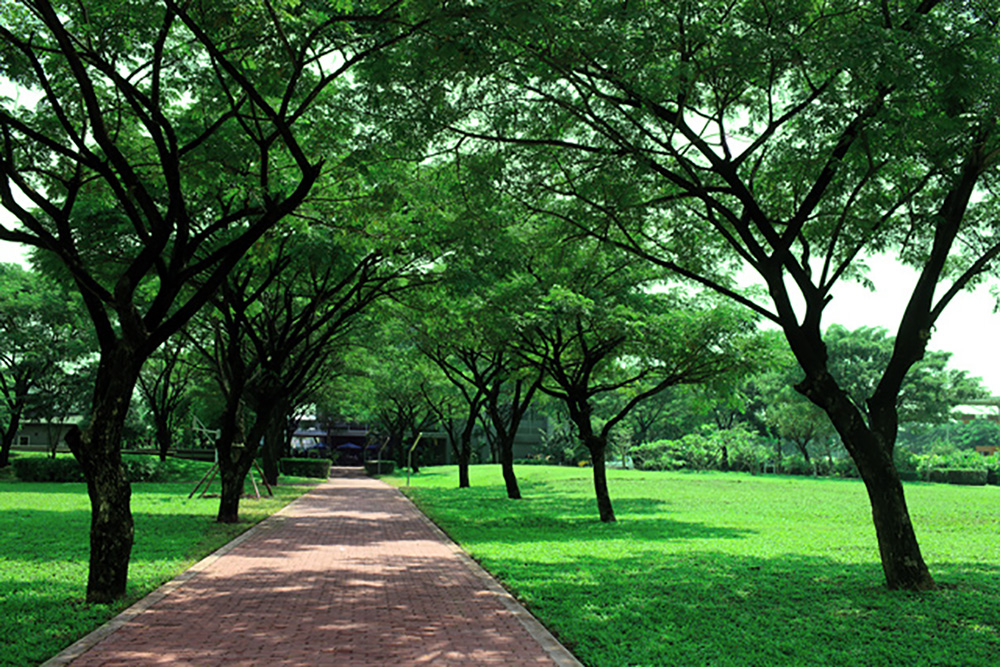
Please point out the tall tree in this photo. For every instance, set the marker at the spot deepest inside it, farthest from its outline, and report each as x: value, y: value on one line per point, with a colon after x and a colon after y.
x: 595, y: 323
x: 39, y: 343
x: 280, y: 320
x: 164, y: 383
x: 153, y: 144
x: 791, y: 138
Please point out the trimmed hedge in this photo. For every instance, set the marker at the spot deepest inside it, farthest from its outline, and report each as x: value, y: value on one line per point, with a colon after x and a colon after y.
x: 374, y: 467
x: 44, y: 469
x: 306, y: 467
x: 66, y: 469
x: 966, y: 477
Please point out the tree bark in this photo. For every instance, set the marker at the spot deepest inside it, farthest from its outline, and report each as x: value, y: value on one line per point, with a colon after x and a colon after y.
x: 234, y: 461
x: 233, y: 470
x: 507, y: 466
x: 164, y: 439
x: 11, y: 433
x: 902, y: 562
x: 274, y: 442
x: 98, y: 450
x: 597, y: 445
x: 464, y: 456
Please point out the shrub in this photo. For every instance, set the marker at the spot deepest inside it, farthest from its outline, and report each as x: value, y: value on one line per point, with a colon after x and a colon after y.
x: 932, y: 466
x: 39, y: 469
x: 966, y: 477
x: 319, y: 468
x: 66, y: 469
x: 385, y: 467
x: 796, y: 464
x: 746, y: 450
x: 844, y: 467
x: 143, y: 469
x: 531, y: 461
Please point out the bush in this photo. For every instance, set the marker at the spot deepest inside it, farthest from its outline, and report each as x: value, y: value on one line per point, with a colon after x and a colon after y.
x: 844, y: 467
x: 796, y: 464
x: 143, y: 469
x: 935, y: 467
x: 44, y: 469
x: 319, y: 468
x: 66, y: 469
x: 532, y: 461
x: 745, y: 450
x: 385, y: 467
x: 966, y: 477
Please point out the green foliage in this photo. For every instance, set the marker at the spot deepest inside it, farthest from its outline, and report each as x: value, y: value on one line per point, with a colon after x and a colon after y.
x: 44, y: 469
x: 138, y: 468
x: 728, y: 569
x: 45, y: 546
x: 380, y: 467
x: 306, y: 467
x: 710, y: 449
x: 858, y: 359
x: 966, y: 477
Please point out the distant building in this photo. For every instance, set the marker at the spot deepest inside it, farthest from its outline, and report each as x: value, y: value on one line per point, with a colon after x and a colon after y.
x: 987, y: 409
x: 44, y: 434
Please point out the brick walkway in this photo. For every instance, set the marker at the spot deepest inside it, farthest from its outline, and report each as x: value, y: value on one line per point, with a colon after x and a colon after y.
x: 350, y: 574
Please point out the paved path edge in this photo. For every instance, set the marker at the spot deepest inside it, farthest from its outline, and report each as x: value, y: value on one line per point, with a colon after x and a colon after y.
x: 87, y: 642
x: 559, y: 653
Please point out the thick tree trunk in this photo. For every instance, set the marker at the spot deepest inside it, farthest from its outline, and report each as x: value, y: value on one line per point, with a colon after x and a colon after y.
x: 902, y: 561
x: 98, y: 451
x: 233, y: 470
x: 234, y: 461
x: 112, y: 531
x: 274, y: 441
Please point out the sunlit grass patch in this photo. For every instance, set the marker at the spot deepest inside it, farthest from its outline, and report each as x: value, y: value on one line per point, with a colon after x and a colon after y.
x: 44, y: 552
x: 730, y: 569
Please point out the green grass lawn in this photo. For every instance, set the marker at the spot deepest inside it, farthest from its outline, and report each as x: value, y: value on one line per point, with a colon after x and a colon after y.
x: 729, y: 569
x: 44, y: 552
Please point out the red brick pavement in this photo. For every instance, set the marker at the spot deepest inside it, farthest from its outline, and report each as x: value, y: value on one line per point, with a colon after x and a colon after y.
x: 350, y: 574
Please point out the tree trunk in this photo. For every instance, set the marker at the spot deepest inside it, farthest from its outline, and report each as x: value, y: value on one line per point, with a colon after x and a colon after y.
x: 234, y: 461
x: 233, y: 470
x: 507, y: 466
x: 164, y: 439
x: 463, y: 466
x: 902, y: 561
x: 10, y: 434
x: 597, y: 446
x: 274, y: 441
x: 98, y: 451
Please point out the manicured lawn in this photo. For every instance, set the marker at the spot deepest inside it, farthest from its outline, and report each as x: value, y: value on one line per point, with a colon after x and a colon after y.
x: 729, y: 569
x: 44, y: 552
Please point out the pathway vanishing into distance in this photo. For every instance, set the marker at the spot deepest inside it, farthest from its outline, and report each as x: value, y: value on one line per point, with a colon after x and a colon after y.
x: 350, y: 574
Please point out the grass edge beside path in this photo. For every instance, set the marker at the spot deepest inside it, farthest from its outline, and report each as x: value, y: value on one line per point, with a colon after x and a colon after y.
x: 727, y: 569
x: 44, y: 554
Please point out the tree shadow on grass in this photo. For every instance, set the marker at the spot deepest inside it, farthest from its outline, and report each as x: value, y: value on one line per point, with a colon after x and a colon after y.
x: 708, y: 608
x: 551, y: 514
x: 40, y: 618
